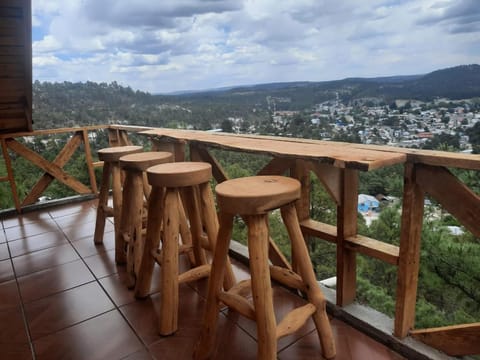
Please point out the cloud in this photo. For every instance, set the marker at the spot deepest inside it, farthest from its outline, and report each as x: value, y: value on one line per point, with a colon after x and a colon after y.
x: 171, y: 45
x: 461, y: 16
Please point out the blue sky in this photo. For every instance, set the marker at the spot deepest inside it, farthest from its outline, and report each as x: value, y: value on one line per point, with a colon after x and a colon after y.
x: 171, y: 45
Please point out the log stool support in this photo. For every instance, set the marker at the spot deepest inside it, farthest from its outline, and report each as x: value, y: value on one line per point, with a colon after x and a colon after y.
x: 253, y: 197
x: 133, y: 215
x: 111, y: 170
x: 173, y: 185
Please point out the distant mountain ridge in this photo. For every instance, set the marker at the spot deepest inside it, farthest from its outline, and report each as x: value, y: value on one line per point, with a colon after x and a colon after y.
x: 455, y: 83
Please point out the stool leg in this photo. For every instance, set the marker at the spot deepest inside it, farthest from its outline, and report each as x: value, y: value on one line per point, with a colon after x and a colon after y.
x: 152, y: 241
x: 211, y: 228
x: 117, y: 212
x: 102, y: 204
x: 204, y: 347
x: 190, y: 234
x: 132, y: 212
x: 262, y: 287
x: 305, y: 270
x: 147, y: 189
x: 169, y: 279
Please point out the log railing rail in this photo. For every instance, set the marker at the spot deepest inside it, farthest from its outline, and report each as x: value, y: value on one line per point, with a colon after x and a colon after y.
x: 337, y: 166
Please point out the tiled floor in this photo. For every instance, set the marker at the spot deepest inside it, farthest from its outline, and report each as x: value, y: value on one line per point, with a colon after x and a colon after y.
x: 62, y: 297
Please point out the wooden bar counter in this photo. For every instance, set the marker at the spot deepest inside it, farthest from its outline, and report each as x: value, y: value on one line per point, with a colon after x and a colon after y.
x: 335, y: 164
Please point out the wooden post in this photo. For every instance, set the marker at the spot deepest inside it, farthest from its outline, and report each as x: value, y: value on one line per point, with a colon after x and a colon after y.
x: 89, y: 161
x: 11, y: 178
x: 409, y: 262
x: 347, y: 226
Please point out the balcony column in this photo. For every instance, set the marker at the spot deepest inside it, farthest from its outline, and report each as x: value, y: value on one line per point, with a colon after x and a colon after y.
x: 347, y: 226
x: 409, y: 263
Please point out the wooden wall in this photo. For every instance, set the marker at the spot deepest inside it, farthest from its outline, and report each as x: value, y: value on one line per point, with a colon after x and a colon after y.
x: 15, y: 66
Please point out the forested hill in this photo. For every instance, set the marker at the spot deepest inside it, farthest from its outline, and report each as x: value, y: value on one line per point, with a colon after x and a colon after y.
x: 69, y: 104
x: 458, y: 82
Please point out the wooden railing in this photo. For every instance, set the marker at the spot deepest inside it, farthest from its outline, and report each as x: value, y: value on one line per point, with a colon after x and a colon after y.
x: 336, y: 165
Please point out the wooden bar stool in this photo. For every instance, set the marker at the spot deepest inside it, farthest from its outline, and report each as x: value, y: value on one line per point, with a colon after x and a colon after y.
x: 173, y: 185
x: 111, y: 169
x: 253, y: 197
x: 135, y: 191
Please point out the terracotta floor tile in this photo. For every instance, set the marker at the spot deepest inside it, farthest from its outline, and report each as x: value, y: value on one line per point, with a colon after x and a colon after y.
x: 36, y: 242
x: 12, y: 326
x: 308, y: 347
x: 70, y: 209
x: 6, y: 270
x: 76, y: 232
x: 103, y: 264
x: 104, y: 337
x: 231, y: 342
x: 30, y: 229
x: 142, y: 314
x: 24, y: 219
x: 83, y: 217
x: 139, y: 355
x: 359, y: 345
x: 116, y: 286
x: 86, y: 247
x: 12, y: 351
x: 44, y: 259
x: 66, y: 308
x: 53, y: 280
x: 9, y: 295
x: 4, y: 254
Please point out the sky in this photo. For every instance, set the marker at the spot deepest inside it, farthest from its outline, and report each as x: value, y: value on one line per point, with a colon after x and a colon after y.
x: 164, y: 46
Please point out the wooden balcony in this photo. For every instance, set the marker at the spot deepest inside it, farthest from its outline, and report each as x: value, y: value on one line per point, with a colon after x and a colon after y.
x: 63, y: 295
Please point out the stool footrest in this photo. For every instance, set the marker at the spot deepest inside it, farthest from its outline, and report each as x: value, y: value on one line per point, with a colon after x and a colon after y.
x: 287, y: 277
x: 294, y: 320
x: 107, y: 210
x: 238, y: 303
x: 242, y: 288
x: 196, y: 273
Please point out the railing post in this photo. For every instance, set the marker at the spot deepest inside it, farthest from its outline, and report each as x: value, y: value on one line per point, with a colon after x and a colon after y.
x: 89, y: 160
x: 11, y: 178
x: 409, y: 262
x: 347, y: 226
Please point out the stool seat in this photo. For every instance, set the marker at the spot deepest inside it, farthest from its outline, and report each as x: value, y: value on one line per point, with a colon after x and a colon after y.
x: 256, y: 194
x: 179, y: 174
x: 112, y: 154
x: 143, y: 160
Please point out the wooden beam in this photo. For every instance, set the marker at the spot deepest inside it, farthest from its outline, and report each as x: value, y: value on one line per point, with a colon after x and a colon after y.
x: 374, y: 248
x: 456, y: 340
x: 409, y: 262
x: 62, y: 158
x: 330, y: 178
x: 277, y: 166
x: 45, y: 165
x: 89, y: 161
x: 454, y: 196
x: 319, y: 230
x: 200, y: 153
x: 347, y: 227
